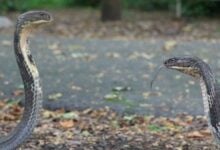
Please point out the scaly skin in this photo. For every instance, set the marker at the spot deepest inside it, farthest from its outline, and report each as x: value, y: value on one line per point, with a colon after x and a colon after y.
x: 197, y: 68
x: 30, y: 76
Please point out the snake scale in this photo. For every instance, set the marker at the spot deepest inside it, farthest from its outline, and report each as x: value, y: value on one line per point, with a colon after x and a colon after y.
x: 197, y: 68
x: 30, y: 76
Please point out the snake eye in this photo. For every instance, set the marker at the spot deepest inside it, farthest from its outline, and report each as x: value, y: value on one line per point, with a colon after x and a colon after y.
x: 172, y: 59
x: 44, y: 16
x: 169, y: 61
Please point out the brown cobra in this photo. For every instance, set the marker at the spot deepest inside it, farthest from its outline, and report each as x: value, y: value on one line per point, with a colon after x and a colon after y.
x: 30, y: 76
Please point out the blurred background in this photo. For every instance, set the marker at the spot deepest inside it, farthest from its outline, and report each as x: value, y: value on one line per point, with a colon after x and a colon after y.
x: 179, y: 7
x: 100, y: 53
x: 134, y: 19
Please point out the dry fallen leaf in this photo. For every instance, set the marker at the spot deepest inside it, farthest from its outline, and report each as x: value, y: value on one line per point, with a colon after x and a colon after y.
x: 9, y: 117
x: 49, y: 114
x: 113, y: 55
x: 169, y: 45
x: 18, y: 93
x: 66, y: 123
x: 54, y: 46
x: 75, y: 47
x: 2, y: 104
x: 55, y: 96
x: 194, y: 134
x: 146, y: 95
x: 206, y: 132
x: 70, y: 115
x: 136, y: 55
x: 76, y: 88
x: 6, y: 43
x: 112, y: 96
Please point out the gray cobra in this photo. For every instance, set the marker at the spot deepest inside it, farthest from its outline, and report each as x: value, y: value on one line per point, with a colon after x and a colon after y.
x: 197, y: 68
x: 30, y: 76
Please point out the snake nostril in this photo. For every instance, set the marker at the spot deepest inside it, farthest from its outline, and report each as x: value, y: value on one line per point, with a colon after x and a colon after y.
x: 165, y: 62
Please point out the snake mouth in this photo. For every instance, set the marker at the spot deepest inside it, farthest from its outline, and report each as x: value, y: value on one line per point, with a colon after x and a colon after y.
x: 178, y: 63
x: 177, y: 67
x: 185, y: 65
x: 42, y: 21
x: 194, y: 72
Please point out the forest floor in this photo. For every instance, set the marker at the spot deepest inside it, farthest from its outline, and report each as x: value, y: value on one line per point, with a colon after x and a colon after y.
x: 104, y: 129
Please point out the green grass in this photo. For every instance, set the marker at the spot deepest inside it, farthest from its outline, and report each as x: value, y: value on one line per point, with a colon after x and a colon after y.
x: 24, y: 5
x: 118, y: 98
x: 155, y: 128
x: 190, y: 8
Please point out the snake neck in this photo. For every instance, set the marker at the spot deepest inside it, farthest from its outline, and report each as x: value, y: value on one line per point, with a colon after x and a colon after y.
x: 32, y: 88
x: 211, y: 101
x: 22, y: 51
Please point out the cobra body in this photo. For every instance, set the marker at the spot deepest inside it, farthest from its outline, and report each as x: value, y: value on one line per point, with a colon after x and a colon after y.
x: 197, y: 68
x: 30, y: 76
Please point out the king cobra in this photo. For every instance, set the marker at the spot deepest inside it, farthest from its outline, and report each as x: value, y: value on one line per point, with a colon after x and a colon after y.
x: 30, y: 76
x: 198, y: 69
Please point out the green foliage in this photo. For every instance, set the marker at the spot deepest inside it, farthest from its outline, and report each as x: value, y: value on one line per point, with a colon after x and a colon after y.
x: 23, y: 5
x: 200, y: 8
x: 189, y: 7
x: 88, y: 3
x: 155, y: 128
x: 147, y: 5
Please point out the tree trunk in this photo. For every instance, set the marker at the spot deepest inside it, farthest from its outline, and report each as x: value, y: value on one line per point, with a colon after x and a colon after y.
x: 178, y: 8
x: 111, y: 10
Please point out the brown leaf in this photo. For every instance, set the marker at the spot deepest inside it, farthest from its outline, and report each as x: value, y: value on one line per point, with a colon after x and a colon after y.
x: 16, y: 111
x: 18, y: 93
x: 48, y: 114
x: 2, y: 104
x: 206, y: 132
x: 169, y: 45
x: 9, y: 117
x: 67, y: 123
x: 195, y: 134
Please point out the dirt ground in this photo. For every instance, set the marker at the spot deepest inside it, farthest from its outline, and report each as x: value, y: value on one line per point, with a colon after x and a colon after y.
x: 104, y: 129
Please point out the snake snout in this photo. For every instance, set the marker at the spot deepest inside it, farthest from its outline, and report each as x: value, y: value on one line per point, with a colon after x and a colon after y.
x: 170, y: 62
x: 46, y: 16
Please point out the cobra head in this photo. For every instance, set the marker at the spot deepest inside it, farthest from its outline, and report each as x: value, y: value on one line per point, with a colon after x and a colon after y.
x: 187, y: 65
x: 34, y: 18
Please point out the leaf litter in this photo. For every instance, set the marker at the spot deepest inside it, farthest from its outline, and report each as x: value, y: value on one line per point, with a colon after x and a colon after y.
x: 103, y: 128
